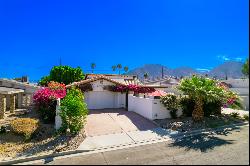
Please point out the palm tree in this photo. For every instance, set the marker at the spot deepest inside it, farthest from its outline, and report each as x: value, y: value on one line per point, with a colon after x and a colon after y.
x: 125, y: 69
x: 119, y: 66
x: 145, y: 75
x: 201, y: 89
x: 93, y: 65
x: 114, y: 68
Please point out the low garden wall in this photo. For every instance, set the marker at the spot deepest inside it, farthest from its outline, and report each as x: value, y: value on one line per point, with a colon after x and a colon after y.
x: 148, y: 107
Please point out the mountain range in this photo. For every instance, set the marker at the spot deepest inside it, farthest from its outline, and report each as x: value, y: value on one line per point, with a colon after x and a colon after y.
x: 230, y: 68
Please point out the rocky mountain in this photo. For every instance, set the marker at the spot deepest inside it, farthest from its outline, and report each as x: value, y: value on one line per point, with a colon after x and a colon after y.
x: 231, y: 68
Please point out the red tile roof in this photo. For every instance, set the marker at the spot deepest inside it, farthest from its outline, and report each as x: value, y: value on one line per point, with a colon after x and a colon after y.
x: 99, y: 77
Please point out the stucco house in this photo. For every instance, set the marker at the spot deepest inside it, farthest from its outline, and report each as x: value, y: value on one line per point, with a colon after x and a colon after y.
x: 15, y: 94
x: 97, y: 94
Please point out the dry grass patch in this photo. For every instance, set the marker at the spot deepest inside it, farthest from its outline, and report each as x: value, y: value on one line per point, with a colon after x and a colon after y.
x: 24, y: 126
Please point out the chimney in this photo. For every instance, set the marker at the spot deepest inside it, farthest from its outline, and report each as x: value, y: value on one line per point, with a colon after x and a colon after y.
x: 25, y: 79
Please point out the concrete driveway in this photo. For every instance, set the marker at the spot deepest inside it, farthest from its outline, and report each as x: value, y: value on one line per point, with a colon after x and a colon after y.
x: 113, y: 121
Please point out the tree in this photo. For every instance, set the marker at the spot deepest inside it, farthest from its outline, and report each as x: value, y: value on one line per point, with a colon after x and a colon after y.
x: 125, y: 68
x: 145, y: 75
x: 63, y: 74
x: 201, y: 90
x: 44, y: 81
x: 93, y: 65
x: 114, y: 68
x: 245, y: 68
x: 119, y: 66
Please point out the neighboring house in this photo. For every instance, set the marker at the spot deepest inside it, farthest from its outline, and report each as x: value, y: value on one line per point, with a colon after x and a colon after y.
x: 240, y: 86
x: 168, y: 82
x: 15, y: 94
x: 98, y: 96
x: 124, y: 79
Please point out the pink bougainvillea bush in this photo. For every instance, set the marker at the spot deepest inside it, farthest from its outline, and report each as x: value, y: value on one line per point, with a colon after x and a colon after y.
x: 134, y: 88
x: 232, y: 100
x: 45, y: 100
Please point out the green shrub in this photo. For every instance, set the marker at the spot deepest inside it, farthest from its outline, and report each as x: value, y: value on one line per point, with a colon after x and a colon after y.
x: 24, y: 126
x: 187, y: 106
x: 171, y: 102
x: 212, y: 108
x: 47, y: 113
x: 74, y: 111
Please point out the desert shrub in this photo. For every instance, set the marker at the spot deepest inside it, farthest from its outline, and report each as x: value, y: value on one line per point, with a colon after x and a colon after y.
x: 74, y: 111
x: 45, y: 100
x: 24, y: 126
x: 171, y: 102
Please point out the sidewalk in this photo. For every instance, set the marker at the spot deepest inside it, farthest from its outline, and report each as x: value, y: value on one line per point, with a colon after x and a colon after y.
x: 126, y: 139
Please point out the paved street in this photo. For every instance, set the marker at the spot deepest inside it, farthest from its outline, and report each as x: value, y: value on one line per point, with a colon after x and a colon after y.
x: 228, y: 146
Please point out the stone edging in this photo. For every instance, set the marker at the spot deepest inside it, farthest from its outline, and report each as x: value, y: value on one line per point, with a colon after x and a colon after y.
x: 72, y: 152
x: 196, y: 132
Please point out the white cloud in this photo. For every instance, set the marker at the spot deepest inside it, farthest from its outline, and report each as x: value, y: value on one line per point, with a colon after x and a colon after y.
x: 223, y: 57
x: 202, y: 70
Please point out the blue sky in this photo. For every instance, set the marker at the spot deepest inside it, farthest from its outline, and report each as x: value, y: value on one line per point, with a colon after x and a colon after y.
x: 196, y: 33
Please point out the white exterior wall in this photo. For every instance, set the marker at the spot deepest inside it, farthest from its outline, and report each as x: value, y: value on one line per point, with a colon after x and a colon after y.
x: 245, y: 101
x: 140, y: 105
x: 238, y: 83
x: 148, y: 108
x: 241, y: 91
x: 99, y: 98
x: 240, y: 86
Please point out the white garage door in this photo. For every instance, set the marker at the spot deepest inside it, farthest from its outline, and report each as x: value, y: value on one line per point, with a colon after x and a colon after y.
x: 100, y: 99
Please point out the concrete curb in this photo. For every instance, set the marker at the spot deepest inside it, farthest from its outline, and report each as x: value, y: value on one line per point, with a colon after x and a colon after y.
x: 82, y: 152
x: 33, y: 158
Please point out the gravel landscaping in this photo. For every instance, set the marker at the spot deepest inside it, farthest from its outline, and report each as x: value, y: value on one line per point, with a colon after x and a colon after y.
x: 185, y: 124
x: 44, y: 141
